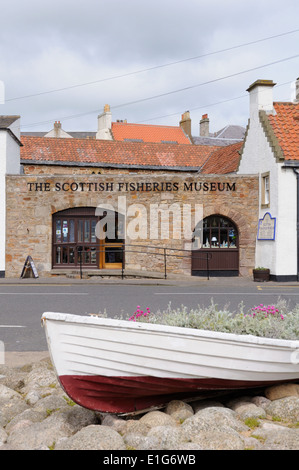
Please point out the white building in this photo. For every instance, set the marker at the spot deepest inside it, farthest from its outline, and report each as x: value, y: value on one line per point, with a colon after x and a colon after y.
x: 271, y: 149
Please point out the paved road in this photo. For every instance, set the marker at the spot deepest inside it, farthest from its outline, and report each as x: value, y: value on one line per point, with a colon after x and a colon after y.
x: 21, y: 305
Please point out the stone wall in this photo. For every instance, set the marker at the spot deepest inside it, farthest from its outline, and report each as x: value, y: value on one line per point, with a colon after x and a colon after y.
x: 33, y: 199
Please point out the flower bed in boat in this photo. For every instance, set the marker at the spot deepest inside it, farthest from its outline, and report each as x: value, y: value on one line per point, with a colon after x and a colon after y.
x: 271, y: 321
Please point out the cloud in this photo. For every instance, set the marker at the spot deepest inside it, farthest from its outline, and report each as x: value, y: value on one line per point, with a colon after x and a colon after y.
x: 59, y: 44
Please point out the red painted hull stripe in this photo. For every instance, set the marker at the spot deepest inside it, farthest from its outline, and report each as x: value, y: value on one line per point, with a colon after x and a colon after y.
x: 128, y: 394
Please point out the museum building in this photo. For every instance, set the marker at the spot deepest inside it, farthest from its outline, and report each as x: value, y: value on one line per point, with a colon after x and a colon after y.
x: 149, y: 200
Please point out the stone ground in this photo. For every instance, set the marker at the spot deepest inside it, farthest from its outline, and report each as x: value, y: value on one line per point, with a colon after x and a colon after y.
x: 36, y: 414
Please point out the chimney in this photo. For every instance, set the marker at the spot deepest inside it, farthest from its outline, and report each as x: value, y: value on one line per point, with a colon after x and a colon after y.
x: 57, y: 128
x: 204, y: 125
x: 185, y: 123
x: 261, y: 97
x: 104, y: 124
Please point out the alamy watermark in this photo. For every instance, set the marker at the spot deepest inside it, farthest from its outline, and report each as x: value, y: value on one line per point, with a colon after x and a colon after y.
x: 150, y: 222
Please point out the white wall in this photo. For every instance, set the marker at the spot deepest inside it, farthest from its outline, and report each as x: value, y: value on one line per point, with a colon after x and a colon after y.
x: 9, y: 164
x: 286, y: 254
x: 258, y: 158
x: 3, y: 139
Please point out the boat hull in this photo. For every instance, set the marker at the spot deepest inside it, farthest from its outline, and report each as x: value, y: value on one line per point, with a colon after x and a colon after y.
x: 124, y: 367
x: 130, y: 395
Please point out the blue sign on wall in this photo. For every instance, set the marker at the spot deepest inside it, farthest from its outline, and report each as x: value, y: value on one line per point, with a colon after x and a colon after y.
x: 266, y: 228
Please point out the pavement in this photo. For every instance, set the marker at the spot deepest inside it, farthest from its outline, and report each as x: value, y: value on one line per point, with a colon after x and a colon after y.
x: 14, y: 359
x: 172, y: 280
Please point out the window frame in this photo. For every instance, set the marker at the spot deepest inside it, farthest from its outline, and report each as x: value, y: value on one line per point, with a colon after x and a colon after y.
x: 265, y: 190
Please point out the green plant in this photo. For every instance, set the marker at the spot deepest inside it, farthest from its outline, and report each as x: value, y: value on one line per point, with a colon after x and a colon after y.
x: 69, y: 401
x: 50, y: 411
x: 259, y: 438
x: 270, y: 321
x: 252, y: 423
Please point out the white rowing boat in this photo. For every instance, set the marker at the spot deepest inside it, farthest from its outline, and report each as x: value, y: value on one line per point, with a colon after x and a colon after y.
x: 120, y: 366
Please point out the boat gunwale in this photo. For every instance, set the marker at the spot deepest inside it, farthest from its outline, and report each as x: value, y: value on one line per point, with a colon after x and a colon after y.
x: 113, y: 323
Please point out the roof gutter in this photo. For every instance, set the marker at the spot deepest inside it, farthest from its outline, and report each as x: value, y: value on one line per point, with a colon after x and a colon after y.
x: 186, y: 169
x: 290, y: 164
x: 12, y: 135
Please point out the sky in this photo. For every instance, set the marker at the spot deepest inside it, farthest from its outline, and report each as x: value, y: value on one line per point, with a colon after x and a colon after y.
x: 149, y: 60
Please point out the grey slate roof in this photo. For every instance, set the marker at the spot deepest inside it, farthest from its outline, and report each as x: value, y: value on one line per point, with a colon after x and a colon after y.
x: 229, y: 135
x: 6, y: 121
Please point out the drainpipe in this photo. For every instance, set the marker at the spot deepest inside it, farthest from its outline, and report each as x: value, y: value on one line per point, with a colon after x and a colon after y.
x: 296, y: 170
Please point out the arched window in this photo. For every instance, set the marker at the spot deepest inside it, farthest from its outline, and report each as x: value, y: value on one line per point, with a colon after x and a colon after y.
x: 219, y: 232
x: 75, y: 239
x: 217, y: 244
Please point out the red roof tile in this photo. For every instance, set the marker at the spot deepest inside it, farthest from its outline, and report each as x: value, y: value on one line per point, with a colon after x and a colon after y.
x: 224, y: 160
x: 49, y: 149
x: 285, y: 125
x: 148, y: 133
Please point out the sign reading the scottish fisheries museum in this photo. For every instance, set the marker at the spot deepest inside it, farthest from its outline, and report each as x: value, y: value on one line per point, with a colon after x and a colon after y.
x: 73, y: 186
x: 266, y: 228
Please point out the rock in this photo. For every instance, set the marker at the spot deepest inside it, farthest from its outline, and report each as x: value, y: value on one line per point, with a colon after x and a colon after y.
x: 12, y: 378
x: 35, y: 414
x: 179, y: 410
x: 77, y: 417
x: 134, y: 441
x: 45, y: 433
x: 11, y: 404
x: 93, y: 437
x: 224, y: 439
x: 49, y: 404
x: 212, y: 419
x: 252, y: 443
x: 133, y: 426
x: 114, y: 422
x: 200, y: 405
x: 7, y: 394
x: 149, y: 443
x: 281, y: 391
x: 33, y: 397
x: 284, y: 409
x: 277, y: 437
x: 20, y: 425
x: 261, y: 402
x: 167, y: 436
x: 41, y: 378
x: 157, y: 418
x: 3, y: 436
x: 246, y: 409
x: 27, y: 415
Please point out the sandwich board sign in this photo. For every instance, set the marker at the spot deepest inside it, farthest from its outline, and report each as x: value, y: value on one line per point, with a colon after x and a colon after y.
x: 29, y: 269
